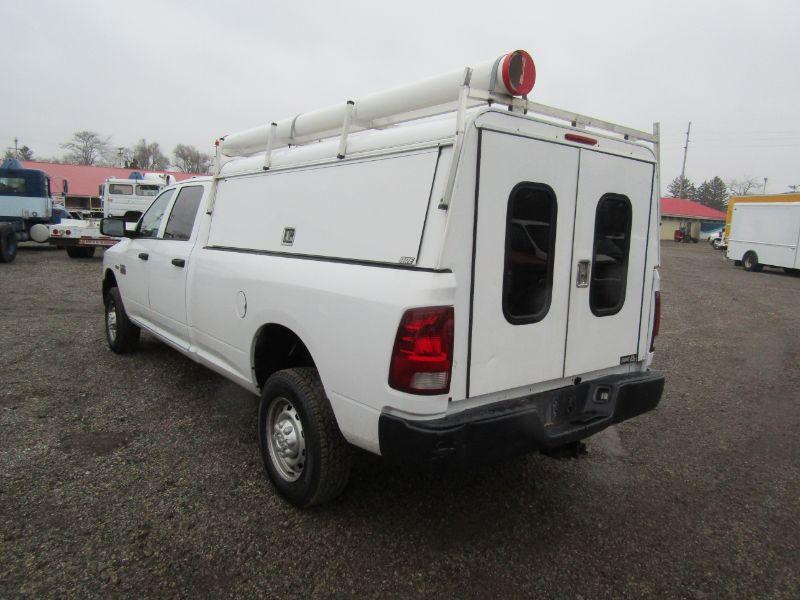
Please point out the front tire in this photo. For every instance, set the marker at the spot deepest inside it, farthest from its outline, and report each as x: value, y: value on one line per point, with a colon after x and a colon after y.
x: 304, y: 453
x: 750, y: 262
x: 121, y: 334
x: 8, y: 244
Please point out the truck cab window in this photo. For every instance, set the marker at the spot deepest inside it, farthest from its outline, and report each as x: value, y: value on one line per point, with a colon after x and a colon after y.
x: 612, y: 240
x: 147, y: 190
x: 120, y: 189
x: 181, y: 219
x: 151, y: 220
x: 530, y: 245
x: 13, y: 186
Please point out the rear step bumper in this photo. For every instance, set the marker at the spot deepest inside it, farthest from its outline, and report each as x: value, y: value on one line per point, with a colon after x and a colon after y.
x: 543, y: 421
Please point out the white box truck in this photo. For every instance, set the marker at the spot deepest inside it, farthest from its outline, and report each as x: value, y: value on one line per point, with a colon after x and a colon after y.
x: 442, y: 272
x: 765, y: 235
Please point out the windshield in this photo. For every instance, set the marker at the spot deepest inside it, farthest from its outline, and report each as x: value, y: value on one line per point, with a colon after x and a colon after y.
x: 13, y: 186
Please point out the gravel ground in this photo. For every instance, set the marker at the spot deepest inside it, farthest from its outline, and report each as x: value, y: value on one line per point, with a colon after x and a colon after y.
x: 140, y: 475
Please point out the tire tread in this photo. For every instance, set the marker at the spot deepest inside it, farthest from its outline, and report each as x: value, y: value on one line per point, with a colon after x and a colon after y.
x: 335, y: 454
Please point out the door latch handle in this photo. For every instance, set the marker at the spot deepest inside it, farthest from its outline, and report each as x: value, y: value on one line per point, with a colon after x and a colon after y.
x: 144, y: 255
x: 178, y: 262
x: 582, y: 277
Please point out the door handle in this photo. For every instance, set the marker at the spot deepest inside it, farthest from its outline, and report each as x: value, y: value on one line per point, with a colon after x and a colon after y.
x: 582, y: 276
x: 144, y: 255
x: 178, y: 262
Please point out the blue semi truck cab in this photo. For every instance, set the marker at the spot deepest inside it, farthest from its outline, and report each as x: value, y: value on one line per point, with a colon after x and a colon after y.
x: 26, y: 207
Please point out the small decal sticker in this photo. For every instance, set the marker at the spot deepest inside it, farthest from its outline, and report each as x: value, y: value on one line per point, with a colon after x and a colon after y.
x: 624, y: 360
x: 122, y: 269
x: 288, y: 236
x: 407, y: 260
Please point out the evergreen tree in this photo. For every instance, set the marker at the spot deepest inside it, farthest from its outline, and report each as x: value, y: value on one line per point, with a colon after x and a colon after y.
x: 682, y: 188
x: 713, y: 193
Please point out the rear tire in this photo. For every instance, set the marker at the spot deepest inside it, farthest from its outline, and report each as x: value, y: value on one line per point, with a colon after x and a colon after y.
x: 80, y: 251
x: 750, y: 262
x: 121, y: 334
x: 304, y: 453
x: 8, y: 244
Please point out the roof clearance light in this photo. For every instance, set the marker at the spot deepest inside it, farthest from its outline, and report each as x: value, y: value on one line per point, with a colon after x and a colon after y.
x: 518, y: 72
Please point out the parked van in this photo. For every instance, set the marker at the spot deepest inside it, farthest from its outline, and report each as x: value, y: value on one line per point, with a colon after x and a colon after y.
x: 453, y: 274
x: 765, y: 235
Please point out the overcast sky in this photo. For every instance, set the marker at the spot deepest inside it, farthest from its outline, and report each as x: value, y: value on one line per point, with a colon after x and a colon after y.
x: 187, y: 72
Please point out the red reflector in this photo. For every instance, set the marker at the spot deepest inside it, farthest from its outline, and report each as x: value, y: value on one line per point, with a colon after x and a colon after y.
x: 422, y: 358
x: 68, y: 232
x: 518, y: 72
x: 656, y: 321
x: 581, y: 139
x: 54, y: 232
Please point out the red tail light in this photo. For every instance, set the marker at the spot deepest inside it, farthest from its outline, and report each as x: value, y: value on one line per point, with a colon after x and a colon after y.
x: 656, y: 321
x: 422, y: 359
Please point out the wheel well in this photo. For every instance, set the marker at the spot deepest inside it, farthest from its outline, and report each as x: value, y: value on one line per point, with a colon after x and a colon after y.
x: 109, y: 281
x: 276, y: 348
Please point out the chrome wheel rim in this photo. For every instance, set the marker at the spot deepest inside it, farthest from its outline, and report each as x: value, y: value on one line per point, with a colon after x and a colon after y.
x: 111, y: 321
x: 287, y: 443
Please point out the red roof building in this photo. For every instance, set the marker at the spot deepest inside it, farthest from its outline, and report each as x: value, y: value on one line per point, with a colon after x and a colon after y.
x: 85, y: 180
x: 683, y: 214
x: 684, y: 208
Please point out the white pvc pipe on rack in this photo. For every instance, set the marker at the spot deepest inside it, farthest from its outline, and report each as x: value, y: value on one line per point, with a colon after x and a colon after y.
x: 431, y: 92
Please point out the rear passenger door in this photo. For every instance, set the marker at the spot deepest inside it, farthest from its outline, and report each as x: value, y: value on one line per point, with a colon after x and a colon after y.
x: 611, y: 228
x: 168, y: 264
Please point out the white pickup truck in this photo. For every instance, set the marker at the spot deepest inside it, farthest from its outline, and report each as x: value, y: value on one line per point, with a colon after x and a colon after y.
x: 457, y: 288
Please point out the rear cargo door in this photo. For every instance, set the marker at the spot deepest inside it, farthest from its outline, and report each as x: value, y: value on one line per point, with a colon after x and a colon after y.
x: 525, y: 209
x: 612, y: 220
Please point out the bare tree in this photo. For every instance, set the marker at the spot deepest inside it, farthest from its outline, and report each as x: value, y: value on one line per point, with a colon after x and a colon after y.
x: 743, y: 187
x: 794, y: 188
x: 86, y: 148
x: 149, y: 156
x: 190, y: 160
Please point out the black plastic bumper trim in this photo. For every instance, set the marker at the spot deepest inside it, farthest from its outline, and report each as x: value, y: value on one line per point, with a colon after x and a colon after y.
x: 542, y: 421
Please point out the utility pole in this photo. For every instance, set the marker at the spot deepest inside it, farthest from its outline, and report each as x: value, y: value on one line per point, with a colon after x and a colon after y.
x: 685, y: 150
x: 765, y: 186
x: 120, y: 150
x: 16, y: 148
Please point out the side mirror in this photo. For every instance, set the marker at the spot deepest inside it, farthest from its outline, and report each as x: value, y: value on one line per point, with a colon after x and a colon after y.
x: 113, y: 227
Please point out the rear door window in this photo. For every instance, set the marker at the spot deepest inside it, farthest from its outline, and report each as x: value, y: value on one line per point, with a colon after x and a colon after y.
x: 184, y: 211
x: 530, y: 246
x: 612, y: 241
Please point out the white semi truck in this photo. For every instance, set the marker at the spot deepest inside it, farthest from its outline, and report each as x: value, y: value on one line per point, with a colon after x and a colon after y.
x: 126, y: 199
x: 458, y: 288
x: 765, y: 234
